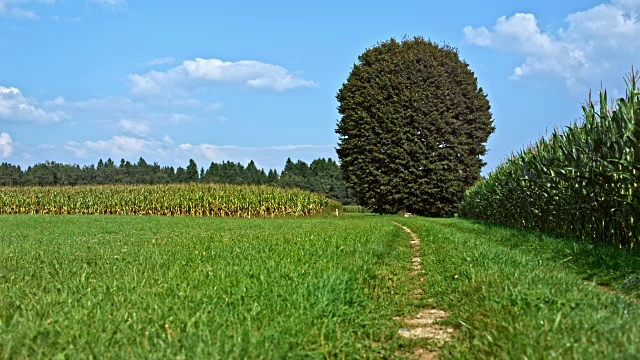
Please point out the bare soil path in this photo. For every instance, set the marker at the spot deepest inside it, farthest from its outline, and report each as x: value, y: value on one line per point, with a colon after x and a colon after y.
x: 423, y: 324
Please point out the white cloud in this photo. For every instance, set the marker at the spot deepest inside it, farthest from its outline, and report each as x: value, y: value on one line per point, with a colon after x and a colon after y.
x: 600, y: 42
x: 253, y: 73
x: 125, y: 147
x: 629, y: 4
x: 15, y: 107
x: 117, y: 146
x: 133, y: 127
x: 160, y: 61
x: 14, y: 9
x: 201, y: 72
x: 6, y: 145
x: 152, y: 83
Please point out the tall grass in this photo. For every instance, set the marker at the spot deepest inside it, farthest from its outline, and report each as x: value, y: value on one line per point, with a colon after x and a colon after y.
x: 581, y: 182
x: 182, y: 199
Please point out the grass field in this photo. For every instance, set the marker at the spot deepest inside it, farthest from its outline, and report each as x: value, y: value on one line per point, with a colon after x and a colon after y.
x: 158, y: 287
x: 183, y: 287
x: 521, y: 295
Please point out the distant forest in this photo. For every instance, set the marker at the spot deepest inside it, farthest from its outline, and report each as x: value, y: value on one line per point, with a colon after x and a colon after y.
x: 321, y: 176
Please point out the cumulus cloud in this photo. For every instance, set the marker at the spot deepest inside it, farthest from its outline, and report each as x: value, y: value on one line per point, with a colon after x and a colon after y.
x: 201, y: 72
x: 594, y: 43
x: 15, y: 107
x: 117, y: 146
x: 6, y: 145
x: 134, y: 127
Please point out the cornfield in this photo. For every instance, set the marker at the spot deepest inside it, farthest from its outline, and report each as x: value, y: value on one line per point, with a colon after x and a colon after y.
x: 581, y: 182
x: 170, y: 200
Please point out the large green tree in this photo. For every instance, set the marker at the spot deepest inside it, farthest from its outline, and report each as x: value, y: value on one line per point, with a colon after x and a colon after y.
x: 413, y: 129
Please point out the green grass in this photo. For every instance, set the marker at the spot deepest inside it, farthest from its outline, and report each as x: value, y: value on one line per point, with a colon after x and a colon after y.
x: 516, y: 295
x: 598, y: 264
x: 326, y: 287
x: 158, y: 287
x: 356, y: 209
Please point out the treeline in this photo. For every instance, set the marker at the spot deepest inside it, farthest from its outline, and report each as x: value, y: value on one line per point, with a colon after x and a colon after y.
x: 321, y: 176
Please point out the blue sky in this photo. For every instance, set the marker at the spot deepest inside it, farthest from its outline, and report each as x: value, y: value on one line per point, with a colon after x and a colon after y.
x: 215, y: 81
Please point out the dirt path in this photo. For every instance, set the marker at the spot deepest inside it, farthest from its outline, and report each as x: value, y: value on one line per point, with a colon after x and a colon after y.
x: 423, y: 324
x: 415, y: 247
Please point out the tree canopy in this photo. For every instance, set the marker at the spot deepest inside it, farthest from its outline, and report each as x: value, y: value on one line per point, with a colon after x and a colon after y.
x: 413, y: 128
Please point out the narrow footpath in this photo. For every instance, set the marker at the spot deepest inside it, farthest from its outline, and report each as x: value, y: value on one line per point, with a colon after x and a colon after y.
x: 423, y: 324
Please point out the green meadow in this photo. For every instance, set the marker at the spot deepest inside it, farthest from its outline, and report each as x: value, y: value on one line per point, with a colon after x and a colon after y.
x: 99, y: 286
x: 182, y: 287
